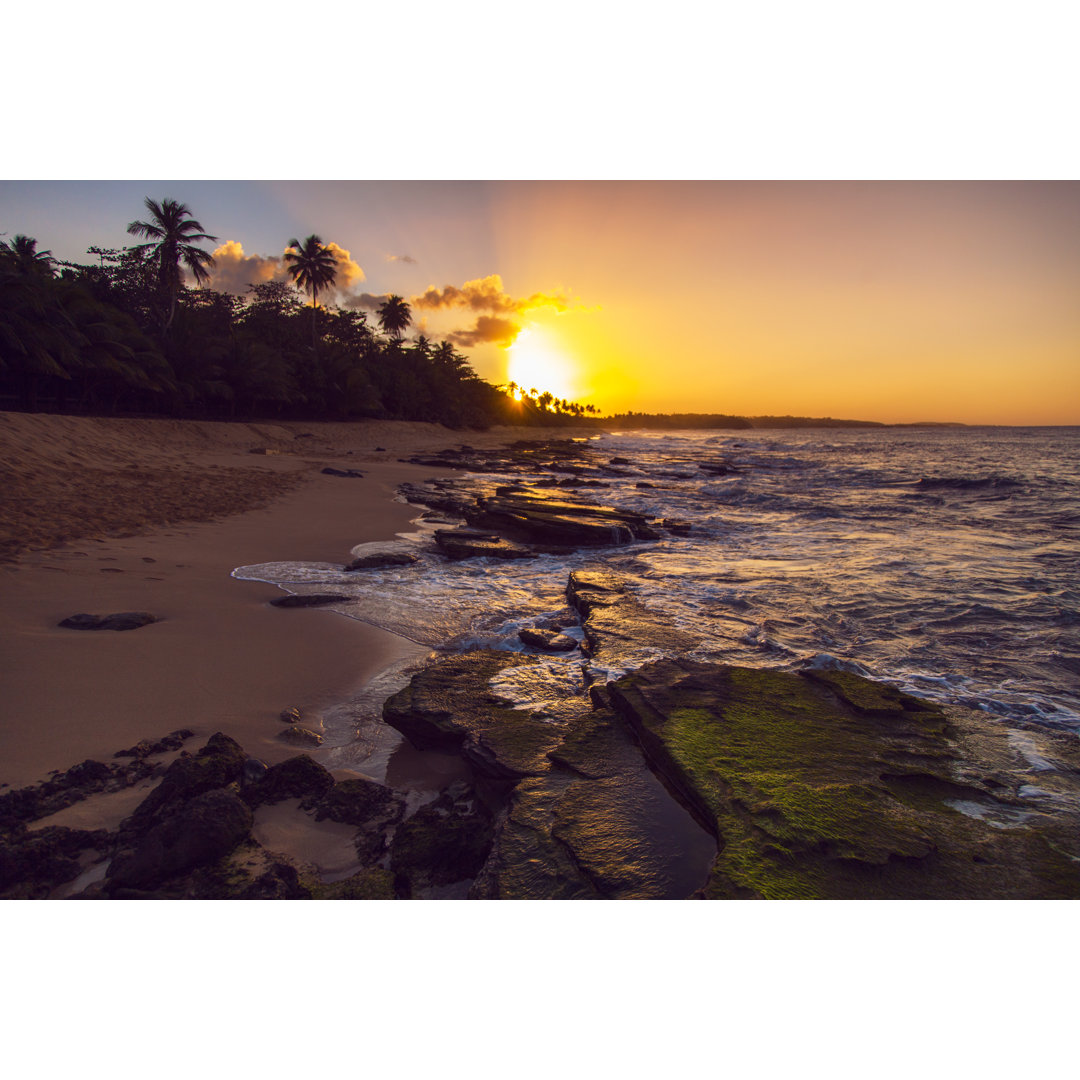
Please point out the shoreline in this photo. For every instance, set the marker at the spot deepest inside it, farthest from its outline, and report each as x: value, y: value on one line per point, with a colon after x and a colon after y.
x: 219, y: 658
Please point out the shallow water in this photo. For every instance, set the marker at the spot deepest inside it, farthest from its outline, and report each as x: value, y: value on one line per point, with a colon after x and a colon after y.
x: 943, y: 561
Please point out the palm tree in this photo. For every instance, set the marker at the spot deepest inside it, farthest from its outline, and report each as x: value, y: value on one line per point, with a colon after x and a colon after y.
x: 175, y: 232
x: 25, y: 257
x: 394, y: 315
x: 313, y: 267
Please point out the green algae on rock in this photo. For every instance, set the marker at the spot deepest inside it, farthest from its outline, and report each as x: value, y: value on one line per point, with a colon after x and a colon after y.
x: 827, y: 785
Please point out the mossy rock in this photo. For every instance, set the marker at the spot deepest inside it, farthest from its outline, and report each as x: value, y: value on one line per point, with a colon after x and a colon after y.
x: 830, y: 786
x: 372, y: 883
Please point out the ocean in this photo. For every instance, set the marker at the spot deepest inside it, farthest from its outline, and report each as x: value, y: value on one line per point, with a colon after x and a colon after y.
x: 942, y: 561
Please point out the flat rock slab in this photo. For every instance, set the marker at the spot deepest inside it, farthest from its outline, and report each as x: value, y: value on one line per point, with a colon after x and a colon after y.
x: 830, y: 786
x: 310, y: 600
x: 121, y: 620
x: 375, y: 562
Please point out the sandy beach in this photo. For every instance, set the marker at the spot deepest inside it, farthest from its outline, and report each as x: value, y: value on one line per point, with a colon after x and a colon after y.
x: 109, y: 515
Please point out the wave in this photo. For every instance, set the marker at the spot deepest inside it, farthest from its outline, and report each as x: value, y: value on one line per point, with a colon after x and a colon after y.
x: 968, y: 483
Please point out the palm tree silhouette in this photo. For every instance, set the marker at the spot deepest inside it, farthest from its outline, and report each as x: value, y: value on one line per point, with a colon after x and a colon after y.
x: 25, y: 256
x: 394, y: 315
x: 313, y: 267
x: 176, y: 233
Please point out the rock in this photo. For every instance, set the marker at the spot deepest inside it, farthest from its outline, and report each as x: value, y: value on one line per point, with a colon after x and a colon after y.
x: 373, y: 808
x: 297, y: 778
x: 308, y: 600
x: 617, y: 625
x: 371, y: 883
x: 254, y: 771
x: 354, y: 474
x: 444, y: 842
x: 291, y: 715
x: 147, y: 747
x: 121, y: 620
x: 302, y: 736
x: 620, y: 461
x: 546, y: 640
x: 450, y: 706
x: 827, y: 785
x: 219, y: 762
x: 537, y: 520
x: 459, y: 544
x: 201, y: 831
x: 32, y: 864
x: 389, y: 558
x: 380, y: 449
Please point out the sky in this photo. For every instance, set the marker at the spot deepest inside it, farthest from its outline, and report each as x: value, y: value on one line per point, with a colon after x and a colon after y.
x: 893, y: 301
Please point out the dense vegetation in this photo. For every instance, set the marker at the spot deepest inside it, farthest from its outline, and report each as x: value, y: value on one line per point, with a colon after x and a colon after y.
x: 127, y: 335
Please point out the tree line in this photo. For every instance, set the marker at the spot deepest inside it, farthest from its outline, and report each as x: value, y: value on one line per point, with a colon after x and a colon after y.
x: 126, y: 334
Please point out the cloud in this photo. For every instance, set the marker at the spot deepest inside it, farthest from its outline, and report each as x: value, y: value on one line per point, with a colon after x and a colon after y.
x: 349, y: 271
x: 487, y: 294
x: 401, y: 258
x: 488, y: 328
x: 234, y: 271
x: 370, y: 301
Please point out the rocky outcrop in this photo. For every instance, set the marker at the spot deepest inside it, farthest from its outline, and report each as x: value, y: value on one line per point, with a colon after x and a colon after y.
x: 467, y: 543
x: 449, y: 706
x: 380, y: 560
x: 827, y: 785
x: 201, y: 831
x: 299, y: 777
x: 546, y: 640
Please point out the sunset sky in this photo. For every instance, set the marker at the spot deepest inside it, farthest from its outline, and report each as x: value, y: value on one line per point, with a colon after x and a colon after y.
x: 893, y: 301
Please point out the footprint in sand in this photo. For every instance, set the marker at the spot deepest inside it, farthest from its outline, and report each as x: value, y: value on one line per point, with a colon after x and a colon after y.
x: 154, y: 579
x: 110, y: 569
x: 146, y: 558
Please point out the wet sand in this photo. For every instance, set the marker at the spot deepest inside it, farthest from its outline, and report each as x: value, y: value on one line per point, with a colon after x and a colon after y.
x: 220, y: 658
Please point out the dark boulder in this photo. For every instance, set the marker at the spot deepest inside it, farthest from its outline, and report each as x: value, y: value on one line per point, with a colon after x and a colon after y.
x: 353, y: 474
x: 201, y: 831
x: 459, y: 544
x: 297, y: 778
x: 219, y: 762
x: 372, y: 807
x: 375, y: 562
x: 121, y: 620
x: 310, y: 600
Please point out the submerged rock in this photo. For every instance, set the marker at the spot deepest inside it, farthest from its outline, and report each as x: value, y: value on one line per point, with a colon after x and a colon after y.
x: 379, y: 560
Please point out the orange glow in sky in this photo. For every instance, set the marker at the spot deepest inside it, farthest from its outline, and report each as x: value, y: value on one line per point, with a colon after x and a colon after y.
x: 877, y: 300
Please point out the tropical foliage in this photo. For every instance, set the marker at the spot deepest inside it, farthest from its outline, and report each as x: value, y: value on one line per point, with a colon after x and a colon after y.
x: 125, y: 334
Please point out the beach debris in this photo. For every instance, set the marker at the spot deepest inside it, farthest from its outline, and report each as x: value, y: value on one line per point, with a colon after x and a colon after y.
x: 121, y: 620
x: 302, y: 600
x: 546, y: 640
x: 354, y: 474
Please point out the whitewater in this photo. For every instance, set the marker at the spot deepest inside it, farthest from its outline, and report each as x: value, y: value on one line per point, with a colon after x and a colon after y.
x: 943, y: 561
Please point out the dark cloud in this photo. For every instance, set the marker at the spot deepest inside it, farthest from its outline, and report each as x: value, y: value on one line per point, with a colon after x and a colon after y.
x: 365, y: 300
x: 487, y: 294
x: 488, y: 328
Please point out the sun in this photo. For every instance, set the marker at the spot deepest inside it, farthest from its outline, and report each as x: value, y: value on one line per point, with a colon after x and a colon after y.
x: 534, y: 363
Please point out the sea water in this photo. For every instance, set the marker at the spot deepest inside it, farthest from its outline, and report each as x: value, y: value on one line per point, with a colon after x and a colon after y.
x: 943, y: 561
